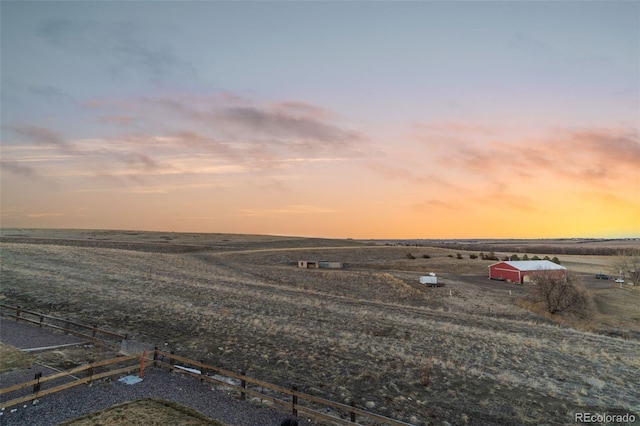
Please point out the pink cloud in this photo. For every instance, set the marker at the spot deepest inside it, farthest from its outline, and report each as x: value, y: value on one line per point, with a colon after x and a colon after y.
x: 118, y: 120
x: 300, y: 108
x: 292, y: 124
x: 30, y: 133
x: 408, y: 175
x: 18, y: 168
x: 595, y: 155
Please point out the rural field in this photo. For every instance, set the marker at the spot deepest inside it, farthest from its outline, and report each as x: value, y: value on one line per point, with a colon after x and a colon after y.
x: 465, y: 353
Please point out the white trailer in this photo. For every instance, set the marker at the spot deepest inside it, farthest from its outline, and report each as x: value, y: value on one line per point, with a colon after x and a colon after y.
x: 430, y: 279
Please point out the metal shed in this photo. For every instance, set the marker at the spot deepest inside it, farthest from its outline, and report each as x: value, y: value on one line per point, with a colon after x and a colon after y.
x: 521, y: 271
x: 324, y: 264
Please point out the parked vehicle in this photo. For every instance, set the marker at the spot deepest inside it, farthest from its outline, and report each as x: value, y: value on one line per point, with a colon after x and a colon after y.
x: 603, y: 277
x: 430, y: 280
x: 619, y: 280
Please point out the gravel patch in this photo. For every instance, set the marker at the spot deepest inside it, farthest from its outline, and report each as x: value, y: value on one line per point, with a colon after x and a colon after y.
x: 158, y: 383
x: 21, y: 376
x: 26, y: 336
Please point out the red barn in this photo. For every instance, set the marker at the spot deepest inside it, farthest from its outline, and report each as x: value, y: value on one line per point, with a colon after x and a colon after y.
x: 521, y: 271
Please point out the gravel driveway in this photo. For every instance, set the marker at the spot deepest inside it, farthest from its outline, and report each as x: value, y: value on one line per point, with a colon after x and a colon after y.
x: 157, y: 383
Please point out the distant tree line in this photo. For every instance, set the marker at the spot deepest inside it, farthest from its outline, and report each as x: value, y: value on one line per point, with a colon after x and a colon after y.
x: 536, y: 249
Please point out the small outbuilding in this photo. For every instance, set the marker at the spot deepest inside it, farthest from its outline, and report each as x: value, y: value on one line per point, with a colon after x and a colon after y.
x: 521, y: 271
x: 324, y: 264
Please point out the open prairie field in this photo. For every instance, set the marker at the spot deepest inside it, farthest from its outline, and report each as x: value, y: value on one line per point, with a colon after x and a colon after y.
x: 464, y: 353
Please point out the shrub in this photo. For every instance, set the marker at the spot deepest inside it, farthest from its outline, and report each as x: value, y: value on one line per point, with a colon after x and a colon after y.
x: 473, y: 256
x: 426, y: 256
x: 492, y: 256
x: 525, y: 257
x: 514, y: 257
x: 555, y: 260
x: 535, y: 257
x: 410, y: 256
x: 458, y: 256
x: 562, y: 293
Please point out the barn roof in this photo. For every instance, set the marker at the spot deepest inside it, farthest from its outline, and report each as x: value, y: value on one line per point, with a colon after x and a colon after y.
x: 532, y: 265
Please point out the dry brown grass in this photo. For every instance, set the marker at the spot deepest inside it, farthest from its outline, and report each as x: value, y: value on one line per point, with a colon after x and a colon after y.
x: 151, y: 412
x: 13, y: 359
x: 368, y: 333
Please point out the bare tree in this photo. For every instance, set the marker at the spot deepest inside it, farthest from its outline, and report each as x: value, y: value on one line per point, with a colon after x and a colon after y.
x: 627, y: 265
x: 562, y: 293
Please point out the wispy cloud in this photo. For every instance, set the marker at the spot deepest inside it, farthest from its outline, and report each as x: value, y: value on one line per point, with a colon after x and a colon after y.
x: 286, y: 125
x: 17, y: 168
x: 40, y: 215
x: 503, y: 168
x: 295, y: 209
x: 301, y: 108
x: 125, y: 41
x: 26, y: 133
x: 197, y: 138
x: 424, y: 176
x: 118, y: 120
x: 228, y: 129
x: 428, y: 205
x: 593, y: 154
x: 283, y: 126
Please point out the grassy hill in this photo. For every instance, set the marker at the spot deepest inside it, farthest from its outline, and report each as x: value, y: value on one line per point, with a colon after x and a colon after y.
x: 465, y: 353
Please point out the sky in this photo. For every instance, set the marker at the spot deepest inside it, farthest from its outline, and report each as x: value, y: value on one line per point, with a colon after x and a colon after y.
x: 386, y: 119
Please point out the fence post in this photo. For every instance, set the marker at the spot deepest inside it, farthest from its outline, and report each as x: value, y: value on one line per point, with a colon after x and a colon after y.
x: 144, y: 355
x: 93, y: 332
x: 353, y: 413
x: 155, y: 356
x: 294, y: 400
x: 243, y: 383
x: 41, y: 320
x: 17, y: 313
x: 172, y: 361
x: 90, y: 370
x: 66, y: 326
x: 202, y: 371
x: 36, y: 386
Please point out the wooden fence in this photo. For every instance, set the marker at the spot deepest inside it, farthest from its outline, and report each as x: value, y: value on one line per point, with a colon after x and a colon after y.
x: 295, y: 397
x: 91, y: 375
x: 297, y: 401
x: 65, y: 325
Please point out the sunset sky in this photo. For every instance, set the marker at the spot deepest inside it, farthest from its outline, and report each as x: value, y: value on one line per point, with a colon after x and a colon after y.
x: 333, y: 119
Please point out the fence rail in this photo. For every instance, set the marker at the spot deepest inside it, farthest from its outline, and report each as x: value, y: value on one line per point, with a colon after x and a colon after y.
x: 61, y: 324
x: 91, y: 375
x: 160, y: 358
x: 168, y: 360
x: 296, y: 401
